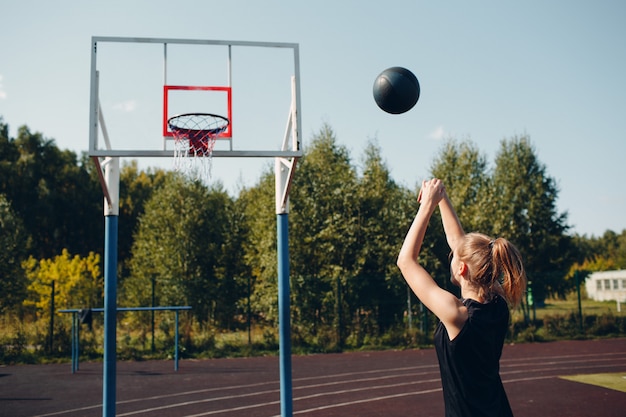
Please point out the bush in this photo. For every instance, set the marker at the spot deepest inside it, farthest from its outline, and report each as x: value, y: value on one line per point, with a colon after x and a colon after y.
x: 606, y: 325
x: 563, y: 326
x: 24, y: 341
x: 568, y: 326
x: 13, y: 349
x: 529, y: 335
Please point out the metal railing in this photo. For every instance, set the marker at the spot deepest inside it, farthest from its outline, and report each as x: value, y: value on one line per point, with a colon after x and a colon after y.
x: 75, y: 342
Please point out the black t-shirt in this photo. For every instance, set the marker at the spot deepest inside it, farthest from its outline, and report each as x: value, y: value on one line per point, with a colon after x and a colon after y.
x: 470, y: 364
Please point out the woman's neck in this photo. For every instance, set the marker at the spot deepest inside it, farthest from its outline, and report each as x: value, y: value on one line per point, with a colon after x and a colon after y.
x: 468, y: 292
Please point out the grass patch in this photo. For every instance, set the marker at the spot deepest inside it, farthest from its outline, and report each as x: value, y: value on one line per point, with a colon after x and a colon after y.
x: 557, y: 307
x: 614, y: 381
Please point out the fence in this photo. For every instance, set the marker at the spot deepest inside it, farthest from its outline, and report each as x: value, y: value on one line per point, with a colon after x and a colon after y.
x: 75, y: 342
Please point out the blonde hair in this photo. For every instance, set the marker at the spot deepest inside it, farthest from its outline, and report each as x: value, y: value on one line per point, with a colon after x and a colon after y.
x: 495, y: 266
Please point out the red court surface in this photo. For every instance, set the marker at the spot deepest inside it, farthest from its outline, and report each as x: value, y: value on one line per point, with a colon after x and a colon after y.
x: 389, y: 383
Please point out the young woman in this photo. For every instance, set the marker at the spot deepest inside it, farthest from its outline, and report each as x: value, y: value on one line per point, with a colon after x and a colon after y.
x: 471, y: 331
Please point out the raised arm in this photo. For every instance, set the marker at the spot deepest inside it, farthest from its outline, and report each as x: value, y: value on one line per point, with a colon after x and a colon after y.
x: 429, y: 196
x: 441, y: 302
x: 451, y: 224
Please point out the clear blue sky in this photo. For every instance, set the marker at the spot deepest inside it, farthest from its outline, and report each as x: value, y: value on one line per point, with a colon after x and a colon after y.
x: 553, y: 70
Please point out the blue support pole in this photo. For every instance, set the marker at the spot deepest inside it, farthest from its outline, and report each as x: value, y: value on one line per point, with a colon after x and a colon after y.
x: 176, y: 345
x: 284, y: 323
x: 74, y: 344
x: 110, y: 313
x: 77, y: 342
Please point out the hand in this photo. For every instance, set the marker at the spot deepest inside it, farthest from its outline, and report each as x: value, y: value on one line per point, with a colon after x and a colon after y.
x: 432, y: 191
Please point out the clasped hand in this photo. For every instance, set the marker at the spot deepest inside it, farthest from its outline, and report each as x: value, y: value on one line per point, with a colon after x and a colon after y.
x: 432, y: 191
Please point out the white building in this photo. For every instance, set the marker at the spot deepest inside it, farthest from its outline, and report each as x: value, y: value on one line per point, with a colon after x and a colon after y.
x: 607, y: 285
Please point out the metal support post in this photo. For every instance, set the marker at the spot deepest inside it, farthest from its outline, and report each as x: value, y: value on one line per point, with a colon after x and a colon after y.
x: 286, y: 396
x: 111, y: 216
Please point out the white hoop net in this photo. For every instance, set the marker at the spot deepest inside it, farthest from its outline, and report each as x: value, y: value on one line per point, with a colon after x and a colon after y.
x: 195, y: 135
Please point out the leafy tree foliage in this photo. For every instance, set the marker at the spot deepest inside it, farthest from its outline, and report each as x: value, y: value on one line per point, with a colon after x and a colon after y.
x: 202, y: 247
x: 14, y: 243
x: 51, y: 192
x: 324, y: 218
x: 517, y: 200
x: 136, y: 189
x: 234, y: 278
x: 257, y: 207
x: 345, y: 232
x: 464, y: 171
x: 385, y: 210
x: 611, y: 246
x: 527, y: 216
x: 179, y: 244
x: 78, y: 282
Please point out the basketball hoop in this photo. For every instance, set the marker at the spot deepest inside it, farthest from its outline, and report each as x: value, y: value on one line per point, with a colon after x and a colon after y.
x: 195, y: 135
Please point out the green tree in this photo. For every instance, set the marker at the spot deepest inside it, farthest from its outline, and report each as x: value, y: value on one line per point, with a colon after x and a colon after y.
x: 613, y: 246
x: 257, y: 205
x: 78, y: 282
x: 136, y: 189
x: 179, y: 244
x: 14, y: 242
x: 517, y: 200
x: 464, y: 171
x: 603, y: 253
x: 52, y: 193
x: 325, y: 220
x: 526, y: 214
x: 376, y: 290
x: 9, y: 154
x: 233, y: 274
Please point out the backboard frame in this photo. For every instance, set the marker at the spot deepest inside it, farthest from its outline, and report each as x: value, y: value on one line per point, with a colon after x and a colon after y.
x: 290, y: 148
x: 226, y: 135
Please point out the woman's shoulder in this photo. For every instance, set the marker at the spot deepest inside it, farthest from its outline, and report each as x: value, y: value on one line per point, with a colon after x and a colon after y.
x: 496, y: 306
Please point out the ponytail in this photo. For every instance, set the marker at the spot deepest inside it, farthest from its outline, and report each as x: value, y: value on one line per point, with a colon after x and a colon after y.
x: 495, y: 267
x: 509, y: 270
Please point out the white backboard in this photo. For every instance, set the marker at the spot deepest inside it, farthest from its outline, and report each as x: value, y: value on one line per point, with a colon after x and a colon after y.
x: 138, y: 83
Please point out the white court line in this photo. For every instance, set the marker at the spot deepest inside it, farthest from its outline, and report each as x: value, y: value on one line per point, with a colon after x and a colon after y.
x: 412, y: 374
x: 206, y: 390
x: 527, y: 371
x: 530, y: 361
x: 581, y: 356
x: 345, y: 391
x: 243, y: 407
x: 386, y: 397
x: 586, y: 355
x: 536, y: 364
x: 369, y: 388
x: 349, y: 403
x: 328, y: 406
x: 159, y: 397
x: 325, y: 407
x: 367, y: 400
x: 206, y: 400
x: 354, y: 381
x: 405, y: 368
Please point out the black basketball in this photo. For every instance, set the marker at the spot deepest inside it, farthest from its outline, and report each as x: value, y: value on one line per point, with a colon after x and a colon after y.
x: 396, y: 90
